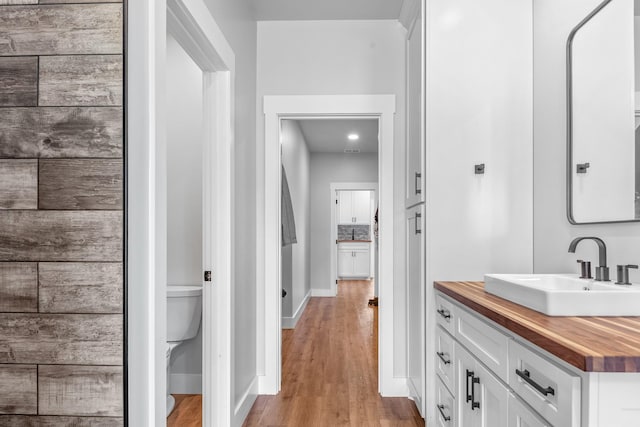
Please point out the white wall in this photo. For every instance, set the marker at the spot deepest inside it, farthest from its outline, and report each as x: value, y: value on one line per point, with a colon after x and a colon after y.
x: 296, y: 162
x: 553, y: 20
x: 236, y: 21
x: 327, y: 168
x: 184, y: 191
x: 479, y: 110
x: 341, y: 58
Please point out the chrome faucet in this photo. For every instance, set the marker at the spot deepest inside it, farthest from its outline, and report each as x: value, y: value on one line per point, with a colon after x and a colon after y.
x: 602, y: 271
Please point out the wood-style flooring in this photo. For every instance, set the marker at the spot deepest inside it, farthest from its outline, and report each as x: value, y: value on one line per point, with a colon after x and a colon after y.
x: 329, y: 369
x: 329, y: 372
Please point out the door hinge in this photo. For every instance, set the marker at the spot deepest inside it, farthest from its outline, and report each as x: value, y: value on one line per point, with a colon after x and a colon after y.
x: 336, y: 281
x: 336, y: 201
x: 207, y: 276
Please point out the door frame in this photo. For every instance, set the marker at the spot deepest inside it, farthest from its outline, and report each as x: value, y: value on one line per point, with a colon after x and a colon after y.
x: 192, y: 25
x: 334, y: 187
x: 277, y: 108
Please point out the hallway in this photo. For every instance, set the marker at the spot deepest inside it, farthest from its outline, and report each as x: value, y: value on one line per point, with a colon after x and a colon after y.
x: 329, y: 374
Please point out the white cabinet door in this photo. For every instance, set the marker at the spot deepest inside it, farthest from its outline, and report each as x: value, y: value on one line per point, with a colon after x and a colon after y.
x: 521, y: 416
x: 445, y: 405
x: 361, y: 207
x: 415, y: 305
x: 415, y: 121
x: 345, y: 212
x: 482, y: 398
x: 345, y: 263
x: 361, y: 263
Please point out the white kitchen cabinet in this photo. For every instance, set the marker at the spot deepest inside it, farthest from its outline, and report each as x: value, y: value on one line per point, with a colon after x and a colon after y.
x: 482, y: 398
x: 354, y: 260
x: 354, y: 207
x: 521, y: 415
x: 415, y: 305
x: 446, y: 406
x: 414, y: 181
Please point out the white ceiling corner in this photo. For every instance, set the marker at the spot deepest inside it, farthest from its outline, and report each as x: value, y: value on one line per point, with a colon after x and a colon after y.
x: 330, y: 135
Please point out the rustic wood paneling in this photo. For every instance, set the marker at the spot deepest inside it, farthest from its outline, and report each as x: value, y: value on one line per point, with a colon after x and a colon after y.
x: 61, y: 29
x: 18, y: 184
x: 80, y: 287
x: 60, y: 236
x: 14, y: 2
x: 18, y: 82
x: 81, y: 80
x: 18, y: 389
x: 61, y: 339
x: 78, y: 1
x: 61, y: 132
x: 594, y: 344
x: 81, y: 184
x: 59, y: 421
x: 18, y: 287
x: 80, y: 390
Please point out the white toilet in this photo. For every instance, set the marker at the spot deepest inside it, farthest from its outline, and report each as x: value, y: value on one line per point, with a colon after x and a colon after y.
x: 184, y: 312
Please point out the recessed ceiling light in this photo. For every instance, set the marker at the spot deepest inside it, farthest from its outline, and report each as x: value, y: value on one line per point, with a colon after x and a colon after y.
x: 353, y: 137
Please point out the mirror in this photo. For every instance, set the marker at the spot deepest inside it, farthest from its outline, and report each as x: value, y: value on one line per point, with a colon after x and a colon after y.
x: 603, y: 115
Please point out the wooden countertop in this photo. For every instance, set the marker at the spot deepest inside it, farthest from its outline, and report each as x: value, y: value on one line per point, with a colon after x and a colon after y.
x: 354, y: 241
x: 592, y: 344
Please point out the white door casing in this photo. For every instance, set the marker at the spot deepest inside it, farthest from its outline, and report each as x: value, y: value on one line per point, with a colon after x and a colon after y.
x: 277, y: 108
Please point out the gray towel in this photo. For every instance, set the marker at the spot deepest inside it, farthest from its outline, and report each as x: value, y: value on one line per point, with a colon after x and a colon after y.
x: 288, y: 222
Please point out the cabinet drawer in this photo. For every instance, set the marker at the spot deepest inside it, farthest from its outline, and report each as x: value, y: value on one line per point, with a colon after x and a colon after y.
x: 359, y: 246
x: 521, y: 415
x: 445, y: 358
x: 550, y: 390
x: 445, y: 406
x: 486, y: 343
x: 445, y: 314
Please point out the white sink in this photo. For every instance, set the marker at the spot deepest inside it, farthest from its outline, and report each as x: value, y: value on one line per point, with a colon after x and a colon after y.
x: 565, y: 294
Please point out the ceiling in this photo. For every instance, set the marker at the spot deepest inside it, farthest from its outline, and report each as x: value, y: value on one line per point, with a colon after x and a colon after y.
x: 330, y: 135
x: 303, y: 10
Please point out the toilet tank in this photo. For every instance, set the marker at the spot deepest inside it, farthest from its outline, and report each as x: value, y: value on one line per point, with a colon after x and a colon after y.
x: 184, y: 311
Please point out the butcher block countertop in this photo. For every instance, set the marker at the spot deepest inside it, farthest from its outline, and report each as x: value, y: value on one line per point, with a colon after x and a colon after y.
x: 592, y: 344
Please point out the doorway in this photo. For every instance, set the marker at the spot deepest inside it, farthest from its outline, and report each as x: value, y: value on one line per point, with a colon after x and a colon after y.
x: 277, y: 108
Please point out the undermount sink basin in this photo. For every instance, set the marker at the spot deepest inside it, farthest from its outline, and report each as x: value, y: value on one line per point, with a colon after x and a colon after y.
x: 565, y: 294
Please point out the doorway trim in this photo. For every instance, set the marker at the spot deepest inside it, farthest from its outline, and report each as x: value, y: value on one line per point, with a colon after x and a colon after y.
x: 275, y: 109
x: 340, y: 186
x: 191, y: 23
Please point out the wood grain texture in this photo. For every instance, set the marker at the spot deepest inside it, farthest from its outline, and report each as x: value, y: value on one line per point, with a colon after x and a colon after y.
x: 18, y: 82
x: 66, y: 339
x: 80, y: 287
x: 59, y: 421
x: 187, y: 412
x: 61, y: 29
x: 61, y: 236
x: 80, y: 390
x: 14, y: 2
x: 61, y: 132
x: 18, y: 184
x: 82, y: 184
x: 329, y: 369
x: 18, y: 287
x: 592, y: 344
x: 93, y: 80
x: 18, y: 389
x: 78, y: 1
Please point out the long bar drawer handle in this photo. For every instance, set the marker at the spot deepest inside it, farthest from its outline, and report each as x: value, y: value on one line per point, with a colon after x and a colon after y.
x: 418, y: 190
x: 526, y: 376
x: 444, y: 416
x: 444, y: 313
x: 441, y: 356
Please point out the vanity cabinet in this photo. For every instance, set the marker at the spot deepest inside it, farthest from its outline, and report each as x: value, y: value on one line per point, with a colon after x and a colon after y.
x: 354, y: 207
x: 496, y: 380
x: 354, y: 260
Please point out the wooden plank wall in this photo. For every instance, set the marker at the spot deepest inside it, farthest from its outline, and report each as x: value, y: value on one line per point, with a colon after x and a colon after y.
x: 61, y: 213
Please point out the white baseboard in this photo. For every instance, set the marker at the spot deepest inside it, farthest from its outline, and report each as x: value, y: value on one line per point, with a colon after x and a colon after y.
x: 186, y: 384
x: 291, y: 322
x: 245, y: 403
x: 396, y: 387
x: 323, y: 293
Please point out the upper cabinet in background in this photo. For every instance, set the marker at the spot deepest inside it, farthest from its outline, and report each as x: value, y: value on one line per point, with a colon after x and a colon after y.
x: 414, y: 181
x: 354, y: 207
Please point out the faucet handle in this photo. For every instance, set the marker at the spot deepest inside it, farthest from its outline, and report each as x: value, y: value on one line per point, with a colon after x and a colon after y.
x: 585, y: 269
x: 623, y: 274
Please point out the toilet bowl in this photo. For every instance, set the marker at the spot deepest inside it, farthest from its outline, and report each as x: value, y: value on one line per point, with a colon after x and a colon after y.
x: 184, y: 313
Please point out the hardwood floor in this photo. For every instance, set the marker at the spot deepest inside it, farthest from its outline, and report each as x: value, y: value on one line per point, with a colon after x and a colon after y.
x: 329, y: 372
x: 187, y: 412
